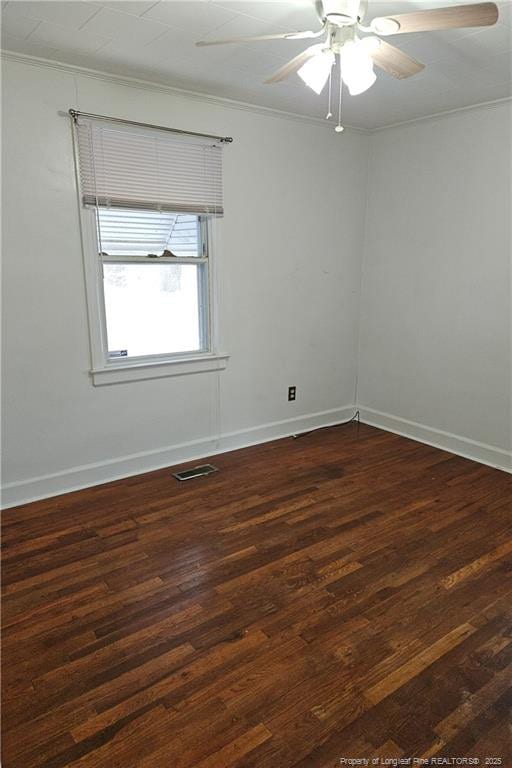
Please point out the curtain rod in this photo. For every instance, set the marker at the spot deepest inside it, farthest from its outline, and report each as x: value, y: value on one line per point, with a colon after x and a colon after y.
x: 75, y: 113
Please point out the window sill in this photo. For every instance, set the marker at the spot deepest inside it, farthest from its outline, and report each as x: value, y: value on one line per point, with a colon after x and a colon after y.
x: 117, y: 373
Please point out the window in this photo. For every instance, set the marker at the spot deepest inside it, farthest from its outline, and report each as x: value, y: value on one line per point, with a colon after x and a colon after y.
x: 155, y: 282
x: 148, y: 203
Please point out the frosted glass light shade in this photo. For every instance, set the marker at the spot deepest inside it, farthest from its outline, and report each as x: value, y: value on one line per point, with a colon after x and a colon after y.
x: 315, y: 72
x: 357, y: 68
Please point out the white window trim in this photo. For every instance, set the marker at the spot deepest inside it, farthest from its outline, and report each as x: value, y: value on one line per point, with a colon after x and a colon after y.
x: 105, y: 371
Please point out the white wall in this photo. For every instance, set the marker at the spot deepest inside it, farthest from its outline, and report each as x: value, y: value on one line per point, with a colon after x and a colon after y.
x: 433, y: 324
x: 289, y: 270
x: 435, y: 338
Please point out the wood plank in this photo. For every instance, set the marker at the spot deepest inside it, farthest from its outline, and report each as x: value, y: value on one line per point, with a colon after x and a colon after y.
x: 416, y: 665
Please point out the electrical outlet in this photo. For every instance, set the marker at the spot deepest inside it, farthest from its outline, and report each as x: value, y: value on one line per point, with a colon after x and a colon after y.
x: 292, y: 393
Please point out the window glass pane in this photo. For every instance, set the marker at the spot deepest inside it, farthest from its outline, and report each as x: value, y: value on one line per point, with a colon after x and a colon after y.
x: 154, y: 309
x: 125, y: 232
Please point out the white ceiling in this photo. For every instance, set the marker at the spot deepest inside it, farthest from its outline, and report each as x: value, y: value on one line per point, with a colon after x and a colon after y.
x: 154, y: 40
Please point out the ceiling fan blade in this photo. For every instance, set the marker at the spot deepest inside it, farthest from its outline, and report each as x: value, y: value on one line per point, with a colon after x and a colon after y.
x: 294, y: 64
x: 282, y: 36
x: 479, y: 15
x: 395, y: 62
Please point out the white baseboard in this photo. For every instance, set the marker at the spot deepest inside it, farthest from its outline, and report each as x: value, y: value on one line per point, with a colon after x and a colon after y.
x: 462, y: 446
x: 85, y: 476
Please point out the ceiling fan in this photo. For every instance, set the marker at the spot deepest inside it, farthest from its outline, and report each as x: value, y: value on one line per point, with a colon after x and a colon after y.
x: 340, y: 36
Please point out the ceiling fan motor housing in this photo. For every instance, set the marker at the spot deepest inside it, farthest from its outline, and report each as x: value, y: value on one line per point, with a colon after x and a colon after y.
x: 341, y: 12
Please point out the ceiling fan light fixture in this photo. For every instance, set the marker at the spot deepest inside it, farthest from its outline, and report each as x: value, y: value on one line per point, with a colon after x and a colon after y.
x: 385, y: 26
x: 315, y: 72
x: 369, y: 44
x: 357, y: 68
x: 361, y: 82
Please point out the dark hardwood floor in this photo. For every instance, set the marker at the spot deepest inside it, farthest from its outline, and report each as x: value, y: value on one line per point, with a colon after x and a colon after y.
x: 346, y: 594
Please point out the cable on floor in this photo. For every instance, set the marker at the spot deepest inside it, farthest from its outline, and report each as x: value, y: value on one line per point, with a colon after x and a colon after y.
x: 355, y: 418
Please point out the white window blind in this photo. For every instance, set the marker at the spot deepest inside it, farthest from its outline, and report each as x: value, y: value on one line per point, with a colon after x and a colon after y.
x: 125, y: 232
x: 131, y: 167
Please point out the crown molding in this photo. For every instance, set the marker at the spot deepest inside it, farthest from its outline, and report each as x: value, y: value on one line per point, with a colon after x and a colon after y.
x: 148, y: 85
x: 444, y: 114
x: 207, y: 98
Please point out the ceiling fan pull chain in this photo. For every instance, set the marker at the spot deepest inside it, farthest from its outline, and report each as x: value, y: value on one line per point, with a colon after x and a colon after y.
x: 329, y: 113
x: 339, y: 127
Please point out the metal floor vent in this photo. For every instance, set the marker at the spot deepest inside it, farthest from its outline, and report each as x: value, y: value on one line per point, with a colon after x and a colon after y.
x: 189, y: 474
